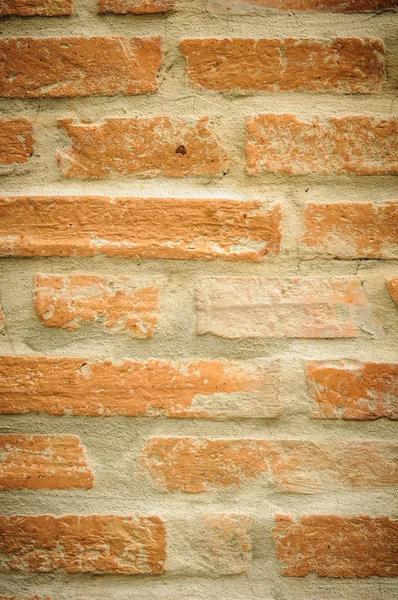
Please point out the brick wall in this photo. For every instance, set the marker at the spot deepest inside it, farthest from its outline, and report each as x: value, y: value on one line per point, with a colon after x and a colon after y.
x: 198, y: 299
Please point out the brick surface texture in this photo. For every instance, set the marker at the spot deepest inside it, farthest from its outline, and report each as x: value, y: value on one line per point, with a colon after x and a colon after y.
x: 208, y: 389
x: 150, y: 228
x: 344, y: 65
x: 16, y: 145
x: 30, y: 8
x: 198, y: 299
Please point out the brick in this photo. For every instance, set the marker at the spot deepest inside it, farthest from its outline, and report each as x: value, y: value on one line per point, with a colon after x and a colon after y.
x: 331, y: 6
x: 52, y: 462
x: 78, y: 66
x: 137, y: 7
x: 299, y: 307
x: 24, y: 598
x: 82, y: 544
x: 142, y: 146
x: 16, y: 145
x: 118, y: 303
x: 352, y: 229
x: 347, y: 65
x: 392, y: 285
x: 206, y: 388
x: 360, y: 145
x: 337, y: 546
x: 349, y: 389
x: 228, y: 550
x: 29, y: 8
x: 196, y: 465
x: 176, y: 228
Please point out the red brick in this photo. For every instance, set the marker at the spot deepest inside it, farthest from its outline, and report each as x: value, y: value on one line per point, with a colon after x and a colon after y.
x: 141, y: 146
x: 348, y: 65
x: 352, y: 230
x: 138, y: 7
x: 196, y: 465
x: 150, y: 228
x: 83, y: 544
x: 16, y: 145
x: 360, y: 145
x: 337, y: 546
x: 349, y: 389
x: 53, y: 462
x: 67, y: 301
x: 392, y: 285
x: 306, y: 307
x: 206, y: 388
x: 331, y: 6
x: 78, y: 66
x: 30, y: 8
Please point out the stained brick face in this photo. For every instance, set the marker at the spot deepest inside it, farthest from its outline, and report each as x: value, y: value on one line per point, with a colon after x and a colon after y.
x: 198, y: 299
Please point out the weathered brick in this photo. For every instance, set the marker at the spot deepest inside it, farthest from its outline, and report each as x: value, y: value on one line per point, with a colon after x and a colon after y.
x: 352, y: 229
x: 337, y: 546
x: 348, y: 65
x: 349, y: 389
x: 360, y: 145
x: 78, y: 66
x: 142, y: 146
x: 54, y: 462
x: 137, y: 7
x: 30, y: 8
x: 16, y: 145
x: 392, y: 285
x: 306, y: 307
x: 206, y: 388
x: 196, y: 465
x: 67, y: 301
x: 82, y: 544
x: 229, y: 548
x: 139, y: 227
x: 331, y: 6
x: 24, y: 598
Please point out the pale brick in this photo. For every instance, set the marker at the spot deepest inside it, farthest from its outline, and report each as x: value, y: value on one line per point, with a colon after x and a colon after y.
x: 306, y: 307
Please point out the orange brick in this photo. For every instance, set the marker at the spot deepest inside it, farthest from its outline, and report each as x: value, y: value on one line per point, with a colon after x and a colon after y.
x: 150, y: 228
x: 306, y: 307
x: 54, y: 462
x: 350, y: 389
x: 348, y: 65
x: 16, y: 145
x: 337, y: 546
x: 29, y: 8
x: 392, y: 285
x: 138, y: 7
x: 24, y: 598
x: 67, y: 301
x: 196, y: 465
x: 360, y: 145
x: 142, y: 146
x: 78, y: 66
x: 207, y: 388
x: 83, y: 544
x: 352, y: 230
x: 331, y: 6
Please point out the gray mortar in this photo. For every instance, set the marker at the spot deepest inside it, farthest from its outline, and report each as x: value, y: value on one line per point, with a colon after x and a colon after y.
x: 113, y: 443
